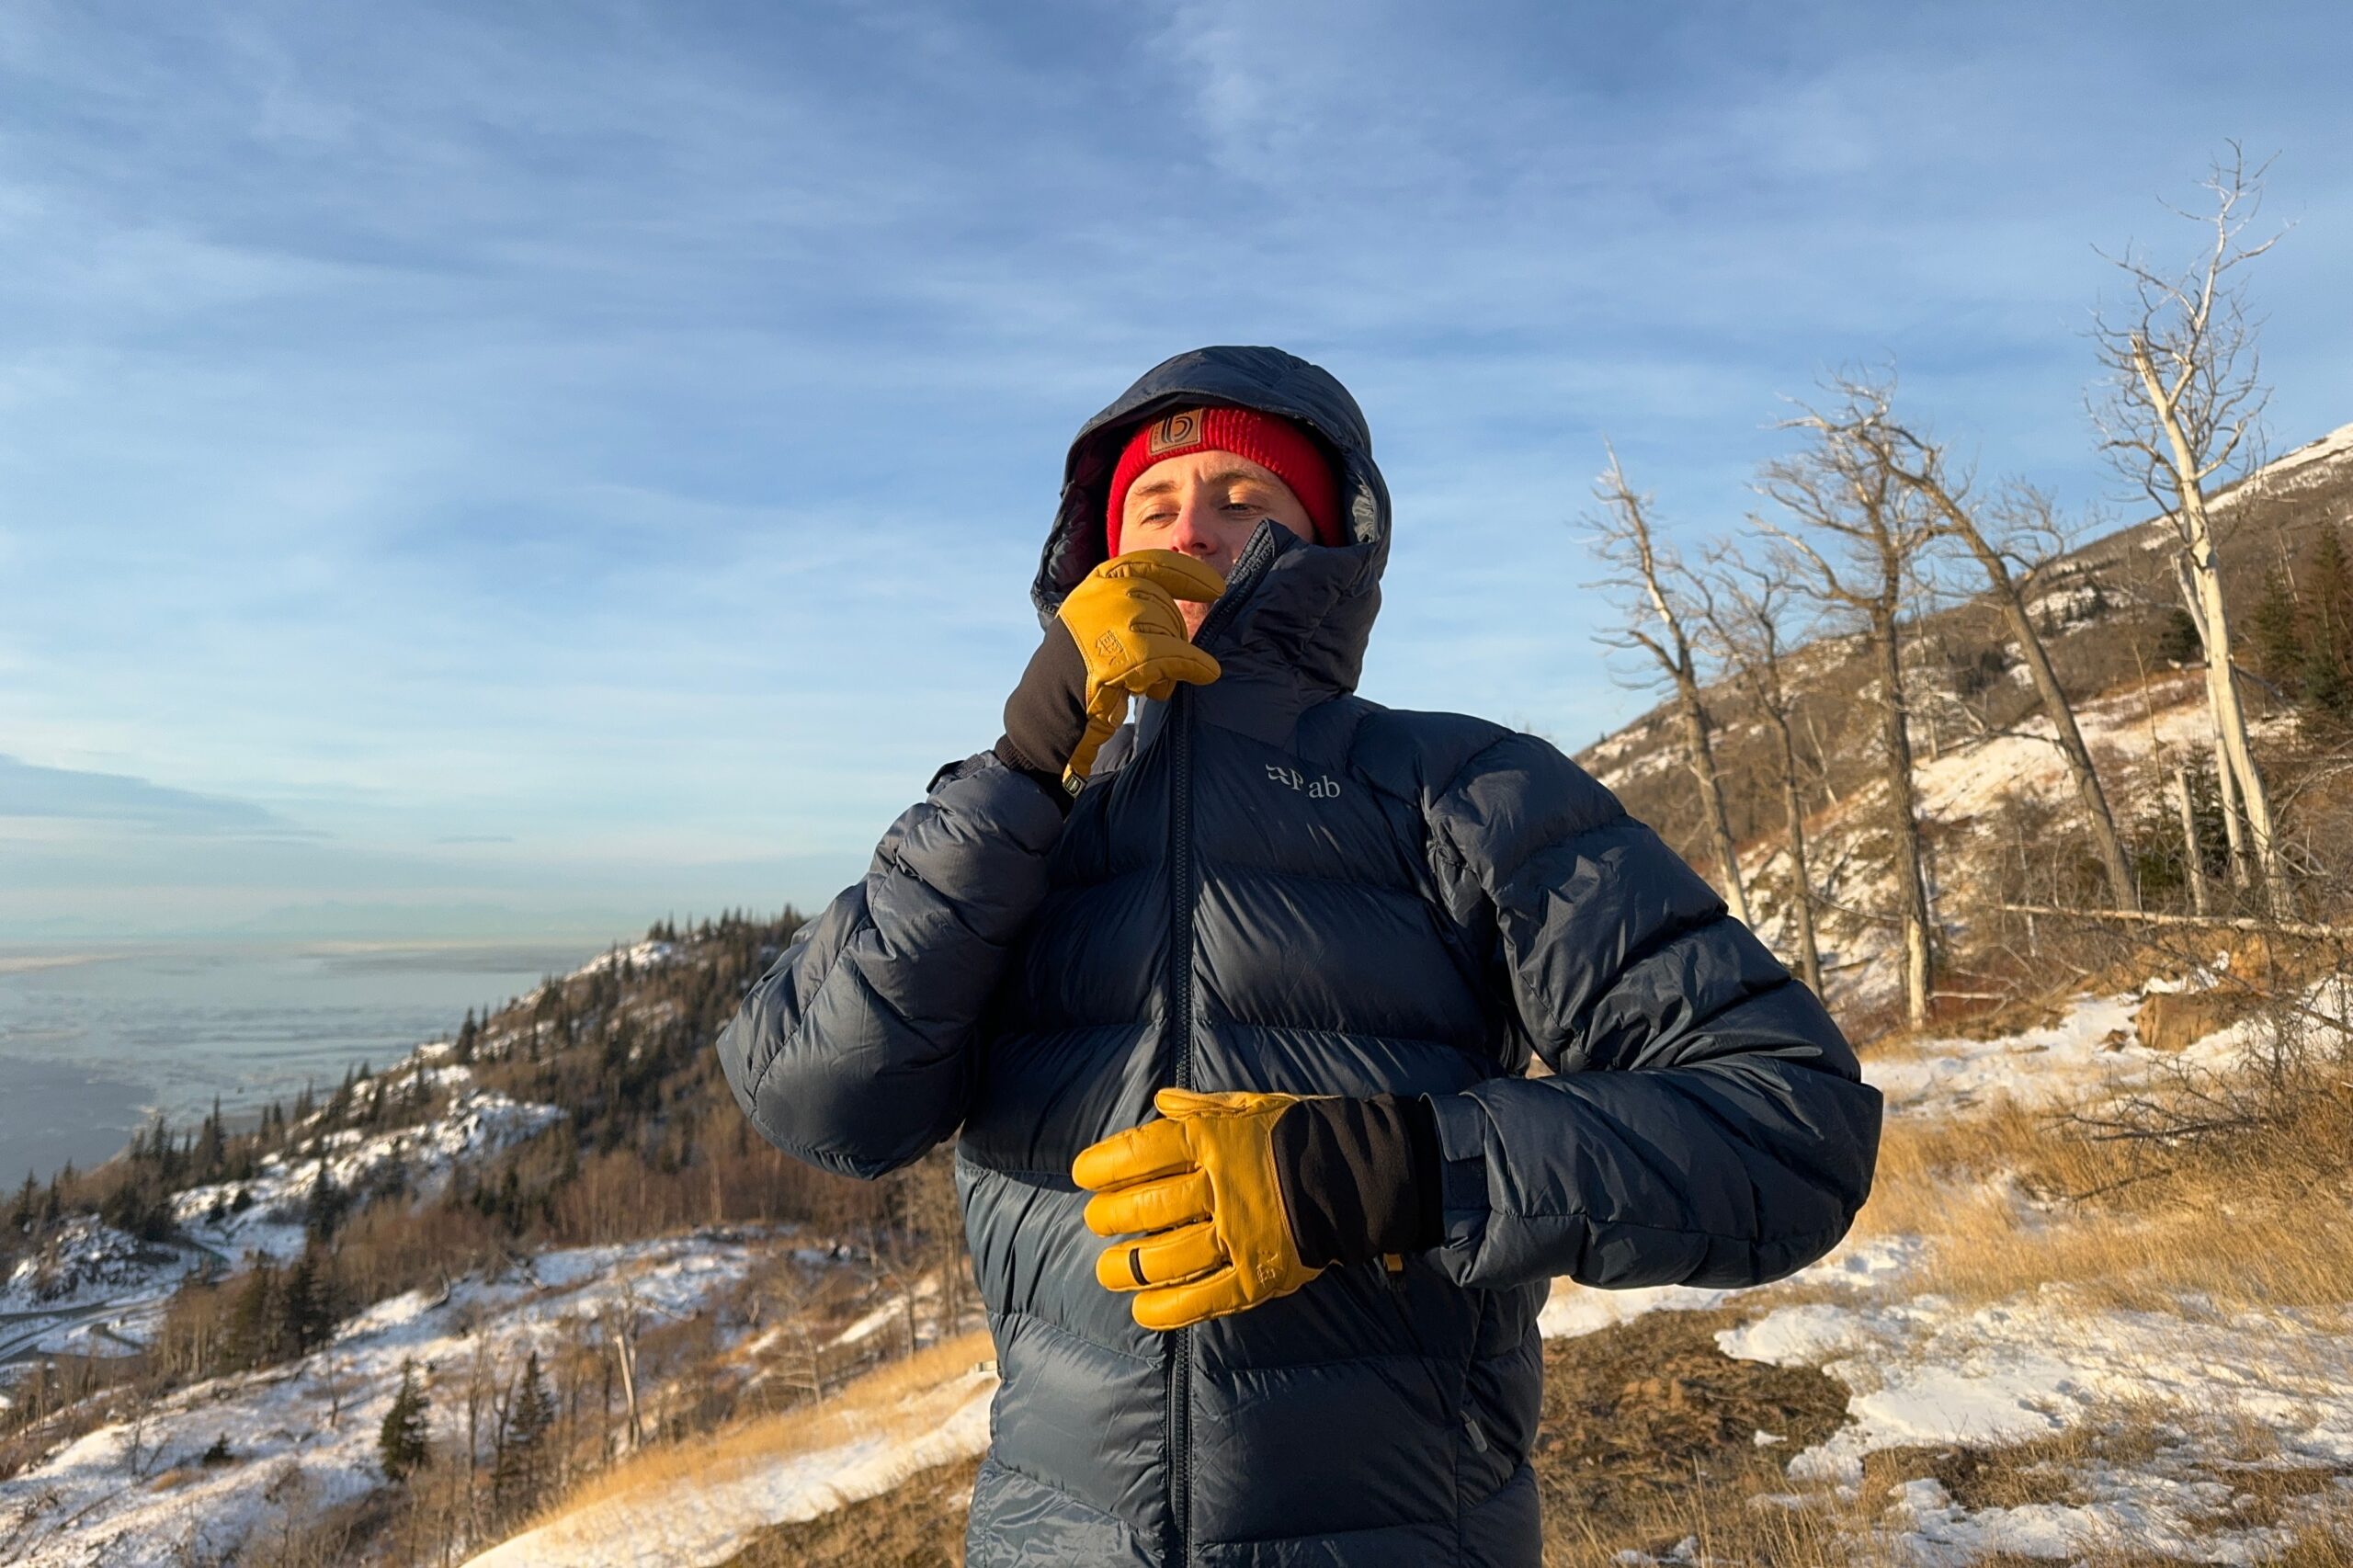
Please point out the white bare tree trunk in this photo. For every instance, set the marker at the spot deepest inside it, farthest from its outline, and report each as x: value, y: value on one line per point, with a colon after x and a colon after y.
x: 2184, y: 404
x: 2214, y: 628
x: 1623, y: 538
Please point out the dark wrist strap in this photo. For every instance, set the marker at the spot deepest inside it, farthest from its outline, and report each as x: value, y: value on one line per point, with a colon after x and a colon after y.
x: 1359, y: 1178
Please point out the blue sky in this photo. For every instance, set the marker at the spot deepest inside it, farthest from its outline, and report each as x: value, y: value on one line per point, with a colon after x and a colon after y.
x: 532, y: 468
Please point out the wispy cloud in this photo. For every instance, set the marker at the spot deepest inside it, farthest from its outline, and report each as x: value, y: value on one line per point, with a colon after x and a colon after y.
x: 580, y: 457
x: 29, y: 790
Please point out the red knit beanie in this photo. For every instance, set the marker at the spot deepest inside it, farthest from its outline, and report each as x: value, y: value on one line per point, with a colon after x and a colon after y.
x: 1274, y: 443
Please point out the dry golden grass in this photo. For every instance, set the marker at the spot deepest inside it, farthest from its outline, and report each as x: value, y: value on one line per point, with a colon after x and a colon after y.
x: 1725, y: 1516
x: 1746, y: 1512
x: 2259, y: 1214
x: 909, y: 1394
x: 918, y: 1525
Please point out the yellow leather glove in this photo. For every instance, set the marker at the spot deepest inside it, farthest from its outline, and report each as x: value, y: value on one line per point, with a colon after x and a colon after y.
x: 1199, y: 1192
x: 1124, y: 616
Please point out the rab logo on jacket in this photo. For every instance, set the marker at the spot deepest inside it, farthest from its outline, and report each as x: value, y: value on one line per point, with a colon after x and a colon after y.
x: 1325, y: 789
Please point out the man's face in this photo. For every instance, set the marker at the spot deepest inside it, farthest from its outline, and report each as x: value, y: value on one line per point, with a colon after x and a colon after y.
x: 1206, y: 505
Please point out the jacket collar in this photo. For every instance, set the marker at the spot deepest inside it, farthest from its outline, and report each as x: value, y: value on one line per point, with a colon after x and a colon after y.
x: 1291, y: 628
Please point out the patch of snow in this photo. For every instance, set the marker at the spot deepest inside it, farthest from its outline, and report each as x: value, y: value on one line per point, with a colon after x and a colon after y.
x: 1863, y: 1263
x: 2094, y: 1049
x: 86, y: 1263
x: 711, y: 1522
x: 872, y: 1324
x: 1926, y: 1372
x: 642, y: 955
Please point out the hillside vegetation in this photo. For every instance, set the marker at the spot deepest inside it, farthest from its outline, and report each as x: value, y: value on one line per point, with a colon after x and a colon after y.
x: 2065, y: 835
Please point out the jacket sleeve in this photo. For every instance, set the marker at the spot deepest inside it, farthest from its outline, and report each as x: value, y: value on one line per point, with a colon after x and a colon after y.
x: 855, y: 1051
x: 1705, y: 1122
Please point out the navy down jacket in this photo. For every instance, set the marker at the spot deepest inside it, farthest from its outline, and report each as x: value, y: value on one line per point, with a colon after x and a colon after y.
x: 1272, y: 883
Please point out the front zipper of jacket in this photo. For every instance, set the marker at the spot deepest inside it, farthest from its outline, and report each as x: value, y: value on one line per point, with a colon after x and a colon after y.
x: 1246, y: 574
x: 1180, y: 963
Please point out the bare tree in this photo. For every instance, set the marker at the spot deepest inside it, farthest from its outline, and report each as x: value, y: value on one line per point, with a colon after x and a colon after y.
x: 1747, y: 609
x: 2010, y: 542
x: 2180, y: 416
x: 1873, y: 531
x: 1651, y: 590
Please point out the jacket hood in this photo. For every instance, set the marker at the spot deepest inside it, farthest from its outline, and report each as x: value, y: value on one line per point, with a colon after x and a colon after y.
x: 1304, y: 614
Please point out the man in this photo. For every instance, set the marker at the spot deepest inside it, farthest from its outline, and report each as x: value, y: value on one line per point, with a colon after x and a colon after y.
x: 1237, y: 1325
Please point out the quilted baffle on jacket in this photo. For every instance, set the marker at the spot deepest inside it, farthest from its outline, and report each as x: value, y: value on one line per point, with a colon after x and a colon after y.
x: 1271, y: 883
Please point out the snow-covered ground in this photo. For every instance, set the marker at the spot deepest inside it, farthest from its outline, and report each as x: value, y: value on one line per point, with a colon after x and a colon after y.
x: 265, y: 1215
x: 93, y: 1290
x: 139, y: 1493
x: 1925, y: 1372
x: 2229, y: 1394
x: 1858, y: 1265
x: 666, y: 1529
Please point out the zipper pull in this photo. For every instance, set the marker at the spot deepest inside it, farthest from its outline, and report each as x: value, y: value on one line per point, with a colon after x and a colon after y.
x: 1394, y: 1263
x: 1478, y: 1433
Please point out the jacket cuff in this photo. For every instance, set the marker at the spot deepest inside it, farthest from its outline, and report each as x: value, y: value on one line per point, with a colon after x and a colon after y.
x: 983, y: 786
x: 1007, y: 752
x: 1461, y: 1124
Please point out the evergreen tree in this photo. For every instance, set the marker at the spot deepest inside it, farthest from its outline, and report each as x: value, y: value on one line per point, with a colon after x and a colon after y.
x: 28, y: 1207
x: 339, y: 1107
x: 306, y: 1303
x: 2277, y: 633
x: 212, y: 1144
x: 2328, y: 646
x: 469, y: 1039
x: 520, y: 1467
x: 322, y: 1211
x: 2327, y: 687
x: 252, y: 1333
x: 400, y: 1443
x: 2177, y: 639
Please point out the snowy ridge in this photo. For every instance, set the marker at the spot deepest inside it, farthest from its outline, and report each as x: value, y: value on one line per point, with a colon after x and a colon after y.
x: 265, y: 1215
x: 136, y: 1495
x: 648, y: 954
x: 94, y: 1290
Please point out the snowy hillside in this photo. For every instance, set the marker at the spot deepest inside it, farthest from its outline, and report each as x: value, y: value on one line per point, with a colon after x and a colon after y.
x: 93, y: 1290
x: 294, y: 1440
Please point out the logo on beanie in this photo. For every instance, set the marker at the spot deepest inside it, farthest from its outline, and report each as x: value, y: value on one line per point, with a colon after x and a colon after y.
x: 1177, y: 430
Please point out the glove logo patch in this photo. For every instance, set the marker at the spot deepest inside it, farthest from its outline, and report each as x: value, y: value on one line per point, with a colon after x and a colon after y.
x: 1177, y: 430
x: 1323, y: 789
x: 1107, y: 644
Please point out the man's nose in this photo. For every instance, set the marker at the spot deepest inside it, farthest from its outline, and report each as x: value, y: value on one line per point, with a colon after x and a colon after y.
x: 1193, y: 534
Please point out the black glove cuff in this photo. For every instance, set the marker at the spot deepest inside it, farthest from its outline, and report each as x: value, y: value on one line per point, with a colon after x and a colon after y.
x: 1046, y: 715
x: 1359, y: 1178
